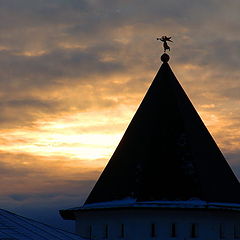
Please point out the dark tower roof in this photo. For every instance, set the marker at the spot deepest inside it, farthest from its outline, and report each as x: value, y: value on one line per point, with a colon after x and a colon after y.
x: 166, y: 153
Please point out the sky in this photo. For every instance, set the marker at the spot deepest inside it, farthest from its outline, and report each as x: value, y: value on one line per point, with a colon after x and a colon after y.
x: 73, y: 72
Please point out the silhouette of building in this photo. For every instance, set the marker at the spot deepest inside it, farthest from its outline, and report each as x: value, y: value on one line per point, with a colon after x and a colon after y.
x: 167, y: 179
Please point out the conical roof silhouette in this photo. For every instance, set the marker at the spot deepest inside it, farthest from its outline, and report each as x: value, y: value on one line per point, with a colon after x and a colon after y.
x: 166, y: 153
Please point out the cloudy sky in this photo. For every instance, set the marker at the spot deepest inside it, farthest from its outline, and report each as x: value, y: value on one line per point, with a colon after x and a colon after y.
x: 73, y: 72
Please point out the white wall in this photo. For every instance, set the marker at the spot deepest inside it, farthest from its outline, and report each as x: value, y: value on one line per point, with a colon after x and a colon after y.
x: 138, y: 224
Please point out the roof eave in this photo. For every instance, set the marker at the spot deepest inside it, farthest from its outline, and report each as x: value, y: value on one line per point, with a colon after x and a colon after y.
x: 70, y: 214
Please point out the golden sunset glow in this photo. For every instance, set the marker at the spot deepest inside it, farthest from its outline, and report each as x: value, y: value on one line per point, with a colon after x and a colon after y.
x: 73, y: 73
x: 90, y: 135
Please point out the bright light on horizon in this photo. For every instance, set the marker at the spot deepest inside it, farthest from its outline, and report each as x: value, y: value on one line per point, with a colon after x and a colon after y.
x: 85, y: 136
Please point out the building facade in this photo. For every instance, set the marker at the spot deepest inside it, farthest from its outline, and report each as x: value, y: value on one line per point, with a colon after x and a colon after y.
x: 158, y: 223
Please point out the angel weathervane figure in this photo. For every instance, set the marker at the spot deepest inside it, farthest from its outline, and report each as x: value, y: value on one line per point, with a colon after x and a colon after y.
x: 164, y: 39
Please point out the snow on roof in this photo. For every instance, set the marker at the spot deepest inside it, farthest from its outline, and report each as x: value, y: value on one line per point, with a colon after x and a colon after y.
x: 194, y: 203
x: 15, y: 227
x: 131, y: 203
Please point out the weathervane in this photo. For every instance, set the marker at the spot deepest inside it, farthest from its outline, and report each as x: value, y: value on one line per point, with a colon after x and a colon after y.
x: 164, y: 39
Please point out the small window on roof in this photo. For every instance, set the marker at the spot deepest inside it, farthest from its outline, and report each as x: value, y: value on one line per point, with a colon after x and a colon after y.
x: 106, y: 231
x: 221, y: 231
x: 153, y: 230
x: 122, y: 231
x: 173, y: 230
x: 236, y: 231
x: 90, y: 232
x: 193, y: 230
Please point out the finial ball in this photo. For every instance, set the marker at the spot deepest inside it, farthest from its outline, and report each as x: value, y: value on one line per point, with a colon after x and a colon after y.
x: 165, y: 58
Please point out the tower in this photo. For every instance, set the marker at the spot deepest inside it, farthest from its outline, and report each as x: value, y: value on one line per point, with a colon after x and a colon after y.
x: 166, y: 179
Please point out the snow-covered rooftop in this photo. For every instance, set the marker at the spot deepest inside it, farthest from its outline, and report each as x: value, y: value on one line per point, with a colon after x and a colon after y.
x: 132, y: 203
x: 163, y: 204
x: 15, y: 227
